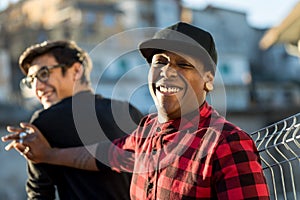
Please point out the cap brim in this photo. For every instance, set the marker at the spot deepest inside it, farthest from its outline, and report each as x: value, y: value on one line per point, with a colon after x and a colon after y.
x: 149, y: 47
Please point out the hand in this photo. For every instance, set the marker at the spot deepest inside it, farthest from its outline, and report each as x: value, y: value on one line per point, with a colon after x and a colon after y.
x: 32, y: 145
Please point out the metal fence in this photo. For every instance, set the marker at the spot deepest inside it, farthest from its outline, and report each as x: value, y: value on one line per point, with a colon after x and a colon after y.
x: 279, y: 148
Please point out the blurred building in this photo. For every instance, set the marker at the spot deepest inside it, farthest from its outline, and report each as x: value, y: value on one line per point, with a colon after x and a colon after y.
x: 259, y: 86
x: 88, y: 22
x: 31, y: 21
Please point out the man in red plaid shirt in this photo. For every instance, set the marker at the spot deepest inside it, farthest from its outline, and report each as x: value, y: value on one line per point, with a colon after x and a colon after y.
x: 186, y: 150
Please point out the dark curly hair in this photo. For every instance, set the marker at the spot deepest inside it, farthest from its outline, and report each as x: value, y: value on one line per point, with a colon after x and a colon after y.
x: 64, y: 51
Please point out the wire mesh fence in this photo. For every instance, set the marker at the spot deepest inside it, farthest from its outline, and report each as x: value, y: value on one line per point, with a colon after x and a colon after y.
x: 279, y: 149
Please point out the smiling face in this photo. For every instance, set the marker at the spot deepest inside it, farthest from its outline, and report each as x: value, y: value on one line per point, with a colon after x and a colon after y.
x: 176, y: 84
x: 57, y: 87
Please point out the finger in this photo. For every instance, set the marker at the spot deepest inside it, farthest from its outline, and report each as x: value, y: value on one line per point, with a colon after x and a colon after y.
x: 28, y: 156
x: 20, y: 147
x: 13, y: 136
x: 14, y: 129
x: 30, y: 128
x: 26, y: 150
x: 10, y: 146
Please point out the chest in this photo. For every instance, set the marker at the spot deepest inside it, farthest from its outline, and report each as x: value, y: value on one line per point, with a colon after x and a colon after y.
x: 174, y: 166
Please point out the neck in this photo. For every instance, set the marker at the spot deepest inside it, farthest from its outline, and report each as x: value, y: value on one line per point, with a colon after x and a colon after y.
x: 81, y: 88
x: 164, y: 117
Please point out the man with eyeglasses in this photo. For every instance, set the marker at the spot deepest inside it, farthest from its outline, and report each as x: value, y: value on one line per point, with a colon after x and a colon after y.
x: 59, y: 73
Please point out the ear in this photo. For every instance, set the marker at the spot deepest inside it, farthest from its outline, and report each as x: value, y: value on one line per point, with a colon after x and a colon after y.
x: 209, y: 81
x: 78, y: 71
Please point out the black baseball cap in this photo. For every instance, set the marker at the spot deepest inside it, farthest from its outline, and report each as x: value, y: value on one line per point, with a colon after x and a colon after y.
x: 185, y: 38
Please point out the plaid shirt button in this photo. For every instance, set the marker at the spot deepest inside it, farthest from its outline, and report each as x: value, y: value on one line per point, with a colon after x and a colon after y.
x: 149, y: 187
x: 158, y: 129
x: 154, y: 151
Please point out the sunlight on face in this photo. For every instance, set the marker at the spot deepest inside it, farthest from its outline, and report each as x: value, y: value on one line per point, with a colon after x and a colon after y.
x: 176, y: 83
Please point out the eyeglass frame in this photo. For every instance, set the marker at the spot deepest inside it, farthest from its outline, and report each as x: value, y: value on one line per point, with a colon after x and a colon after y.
x: 28, y: 83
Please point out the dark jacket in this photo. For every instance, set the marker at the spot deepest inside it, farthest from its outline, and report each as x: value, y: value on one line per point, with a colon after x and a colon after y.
x: 76, y: 121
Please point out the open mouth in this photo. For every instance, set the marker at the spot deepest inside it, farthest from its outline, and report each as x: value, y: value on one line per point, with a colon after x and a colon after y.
x: 168, y: 90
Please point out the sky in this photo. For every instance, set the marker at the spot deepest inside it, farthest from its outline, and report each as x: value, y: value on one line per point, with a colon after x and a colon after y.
x: 260, y: 13
x: 5, y: 3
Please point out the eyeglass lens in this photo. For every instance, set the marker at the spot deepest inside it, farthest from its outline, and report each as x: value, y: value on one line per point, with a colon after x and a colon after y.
x: 42, y: 75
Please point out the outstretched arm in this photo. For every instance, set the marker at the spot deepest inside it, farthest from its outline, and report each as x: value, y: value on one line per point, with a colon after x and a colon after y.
x: 36, y: 148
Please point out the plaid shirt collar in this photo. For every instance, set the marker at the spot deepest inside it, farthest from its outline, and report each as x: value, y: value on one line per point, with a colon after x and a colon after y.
x: 192, y: 120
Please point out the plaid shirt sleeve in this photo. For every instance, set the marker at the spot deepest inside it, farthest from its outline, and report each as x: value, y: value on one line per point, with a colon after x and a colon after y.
x: 237, y: 169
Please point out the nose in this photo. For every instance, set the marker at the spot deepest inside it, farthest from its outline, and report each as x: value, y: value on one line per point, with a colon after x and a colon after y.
x: 168, y: 71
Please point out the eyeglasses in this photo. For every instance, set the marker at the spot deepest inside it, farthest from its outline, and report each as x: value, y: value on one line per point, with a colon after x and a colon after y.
x: 42, y: 75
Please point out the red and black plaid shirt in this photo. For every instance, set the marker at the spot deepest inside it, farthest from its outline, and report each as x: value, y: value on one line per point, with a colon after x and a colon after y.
x: 195, y: 157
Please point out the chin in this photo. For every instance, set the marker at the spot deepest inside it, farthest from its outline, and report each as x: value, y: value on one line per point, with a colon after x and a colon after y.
x: 47, y: 104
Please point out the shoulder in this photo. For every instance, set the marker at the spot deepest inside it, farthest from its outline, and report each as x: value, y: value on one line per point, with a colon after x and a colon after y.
x: 54, y: 110
x: 231, y: 132
x: 226, y: 133
x: 60, y: 106
x: 110, y: 103
x: 226, y: 129
x: 36, y: 115
x: 235, y: 142
x: 119, y: 107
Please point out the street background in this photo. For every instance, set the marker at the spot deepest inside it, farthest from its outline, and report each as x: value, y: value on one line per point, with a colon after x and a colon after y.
x: 257, y: 82
x: 12, y: 173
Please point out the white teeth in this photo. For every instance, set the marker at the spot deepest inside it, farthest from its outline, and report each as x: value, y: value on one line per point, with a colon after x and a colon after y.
x: 169, y: 89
